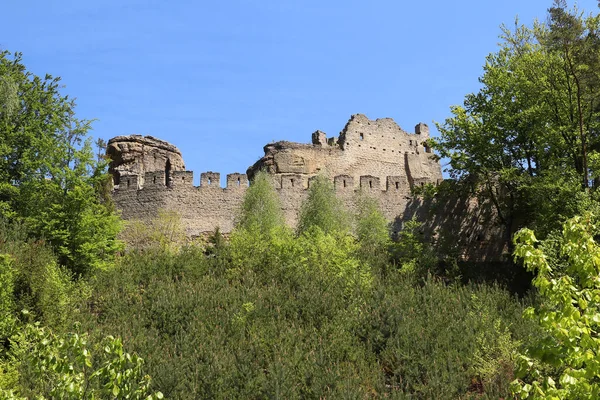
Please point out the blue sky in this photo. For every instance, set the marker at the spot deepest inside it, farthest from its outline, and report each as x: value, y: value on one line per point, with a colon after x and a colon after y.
x: 220, y: 79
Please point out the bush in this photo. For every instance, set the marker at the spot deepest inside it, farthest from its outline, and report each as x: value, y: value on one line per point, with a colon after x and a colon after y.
x: 323, y: 209
x: 261, y: 209
x: 373, y: 233
x: 63, y: 367
x: 7, y: 301
x: 165, y: 232
x: 569, y: 314
x: 301, y: 318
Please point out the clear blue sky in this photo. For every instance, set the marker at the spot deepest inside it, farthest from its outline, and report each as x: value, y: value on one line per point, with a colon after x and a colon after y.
x: 220, y: 79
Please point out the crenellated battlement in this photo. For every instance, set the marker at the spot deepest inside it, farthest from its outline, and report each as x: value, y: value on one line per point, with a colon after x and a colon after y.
x: 375, y: 157
x: 239, y: 182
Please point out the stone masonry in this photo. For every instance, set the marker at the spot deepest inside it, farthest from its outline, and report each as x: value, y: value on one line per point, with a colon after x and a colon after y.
x: 377, y: 157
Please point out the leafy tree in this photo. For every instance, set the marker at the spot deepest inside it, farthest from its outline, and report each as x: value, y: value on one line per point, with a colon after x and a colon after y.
x: 48, y: 176
x: 569, y: 314
x: 261, y: 209
x: 323, y: 209
x: 531, y: 131
x: 372, y: 231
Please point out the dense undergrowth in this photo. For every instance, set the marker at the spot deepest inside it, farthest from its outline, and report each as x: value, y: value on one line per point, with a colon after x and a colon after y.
x: 272, y: 313
x: 208, y: 329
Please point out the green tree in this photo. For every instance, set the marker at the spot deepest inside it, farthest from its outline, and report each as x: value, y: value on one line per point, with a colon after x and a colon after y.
x: 323, y: 209
x: 261, y: 208
x: 372, y: 231
x: 569, y: 314
x: 48, y: 175
x: 530, y: 132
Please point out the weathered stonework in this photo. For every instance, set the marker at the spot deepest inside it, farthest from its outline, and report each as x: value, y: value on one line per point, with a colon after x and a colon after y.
x: 376, y: 157
x: 364, y: 147
x: 132, y: 156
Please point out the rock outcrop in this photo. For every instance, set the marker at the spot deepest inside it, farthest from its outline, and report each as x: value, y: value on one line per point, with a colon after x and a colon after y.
x: 135, y: 155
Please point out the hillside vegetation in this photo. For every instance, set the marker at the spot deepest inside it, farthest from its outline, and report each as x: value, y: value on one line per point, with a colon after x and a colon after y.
x: 332, y: 308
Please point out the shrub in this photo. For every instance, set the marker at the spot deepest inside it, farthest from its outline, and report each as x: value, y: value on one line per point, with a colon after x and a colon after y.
x: 63, y: 367
x: 372, y: 231
x: 261, y: 209
x: 165, y: 232
x: 569, y: 314
x: 323, y: 209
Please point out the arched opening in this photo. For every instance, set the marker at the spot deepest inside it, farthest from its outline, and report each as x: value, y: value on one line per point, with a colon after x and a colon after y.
x: 168, y: 172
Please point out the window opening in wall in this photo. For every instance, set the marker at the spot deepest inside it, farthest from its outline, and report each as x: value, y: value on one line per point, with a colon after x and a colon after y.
x: 183, y: 179
x: 128, y: 182
x: 344, y: 183
x: 410, y: 142
x: 209, y: 181
x: 292, y: 181
x: 370, y: 185
x: 154, y: 180
x: 362, y: 136
x: 116, y: 177
x: 397, y: 186
x: 167, y: 172
x: 238, y: 182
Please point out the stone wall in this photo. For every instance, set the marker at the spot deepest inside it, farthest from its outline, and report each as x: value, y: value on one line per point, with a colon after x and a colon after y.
x: 364, y: 147
x: 377, y: 157
x: 205, y: 207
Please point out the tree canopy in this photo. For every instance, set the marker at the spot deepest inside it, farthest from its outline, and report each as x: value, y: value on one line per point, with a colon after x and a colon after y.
x: 49, y: 177
x: 532, y: 131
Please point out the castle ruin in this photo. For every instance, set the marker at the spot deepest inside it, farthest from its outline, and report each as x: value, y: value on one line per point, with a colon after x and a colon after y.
x: 376, y: 157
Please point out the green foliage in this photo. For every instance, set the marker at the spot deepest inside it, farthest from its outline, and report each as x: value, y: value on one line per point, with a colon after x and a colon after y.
x: 372, y: 231
x: 49, y: 178
x: 9, y: 100
x: 261, y: 209
x: 323, y: 209
x: 411, y: 252
x: 63, y: 367
x: 7, y: 303
x: 529, y: 136
x: 303, y: 317
x: 39, y: 284
x: 165, y: 232
x: 569, y: 314
x: 332, y: 258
